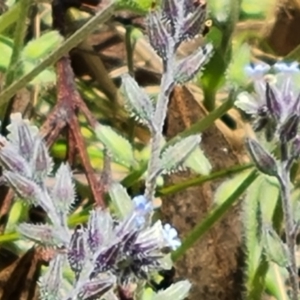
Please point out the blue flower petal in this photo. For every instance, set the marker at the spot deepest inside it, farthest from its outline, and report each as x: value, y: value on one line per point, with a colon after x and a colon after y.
x: 171, y: 237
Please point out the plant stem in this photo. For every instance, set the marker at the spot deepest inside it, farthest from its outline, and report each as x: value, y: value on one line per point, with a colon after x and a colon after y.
x: 19, y: 37
x: 129, y: 49
x: 159, y: 118
x: 10, y: 16
x: 284, y: 182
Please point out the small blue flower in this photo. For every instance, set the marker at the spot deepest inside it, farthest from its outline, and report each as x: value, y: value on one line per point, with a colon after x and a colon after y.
x: 257, y: 71
x: 142, y: 204
x: 142, y: 207
x: 288, y: 68
x: 171, y: 236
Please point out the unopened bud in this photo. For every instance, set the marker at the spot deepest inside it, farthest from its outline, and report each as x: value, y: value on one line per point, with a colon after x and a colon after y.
x: 264, y: 161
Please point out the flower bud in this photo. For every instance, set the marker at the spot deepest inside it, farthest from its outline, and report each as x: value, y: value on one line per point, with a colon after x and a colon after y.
x: 262, y: 159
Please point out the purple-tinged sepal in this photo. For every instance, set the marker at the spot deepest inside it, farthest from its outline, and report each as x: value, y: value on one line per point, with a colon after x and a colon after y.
x: 189, y: 66
x: 41, y: 162
x: 99, y: 229
x: 77, y: 250
x: 21, y: 135
x: 51, y: 283
x: 273, y: 102
x: 24, y: 188
x: 263, y: 160
x: 106, y: 259
x: 289, y: 129
x: 194, y: 23
x: 11, y: 160
x: 172, y: 12
x: 63, y: 191
x: 96, y: 288
x: 158, y: 35
x: 46, y: 235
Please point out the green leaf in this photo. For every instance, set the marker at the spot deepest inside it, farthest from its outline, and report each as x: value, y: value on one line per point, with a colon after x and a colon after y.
x: 47, y: 76
x: 178, y: 291
x: 42, y: 46
x: 120, y: 199
x: 120, y: 149
x: 225, y: 189
x: 175, y: 155
x: 220, y: 9
x: 236, y: 74
x: 6, y: 46
x: 275, y: 249
x: 198, y: 162
x: 259, y: 204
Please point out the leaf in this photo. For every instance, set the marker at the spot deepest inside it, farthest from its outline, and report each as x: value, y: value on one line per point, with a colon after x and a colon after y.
x: 47, y: 76
x: 46, y: 235
x: 225, y: 189
x: 51, y: 282
x: 42, y: 46
x: 178, y: 291
x: 6, y: 46
x: 189, y: 66
x: 119, y: 147
x: 137, y: 101
x: 274, y: 247
x: 175, y: 155
x: 198, y: 162
x: 120, y: 199
x: 220, y: 9
x: 235, y: 73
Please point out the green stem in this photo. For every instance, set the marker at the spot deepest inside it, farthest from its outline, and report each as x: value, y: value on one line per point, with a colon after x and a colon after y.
x: 198, y: 127
x: 284, y: 182
x: 10, y: 16
x: 129, y: 50
x: 70, y: 43
x: 209, y: 99
x: 212, y: 217
x: 19, y: 38
x: 201, y: 179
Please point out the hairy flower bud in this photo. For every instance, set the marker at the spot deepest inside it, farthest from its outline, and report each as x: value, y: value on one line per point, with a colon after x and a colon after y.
x: 262, y: 159
x: 11, y: 160
x: 158, y: 35
x: 51, y: 282
x: 25, y: 188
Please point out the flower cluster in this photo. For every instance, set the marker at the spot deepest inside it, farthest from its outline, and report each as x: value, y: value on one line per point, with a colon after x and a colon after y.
x: 275, y: 106
x: 276, y: 102
x: 102, y: 254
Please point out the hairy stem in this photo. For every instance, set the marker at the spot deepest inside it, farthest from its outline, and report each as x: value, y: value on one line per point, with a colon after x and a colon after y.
x: 159, y: 118
x: 19, y: 38
x: 284, y: 182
